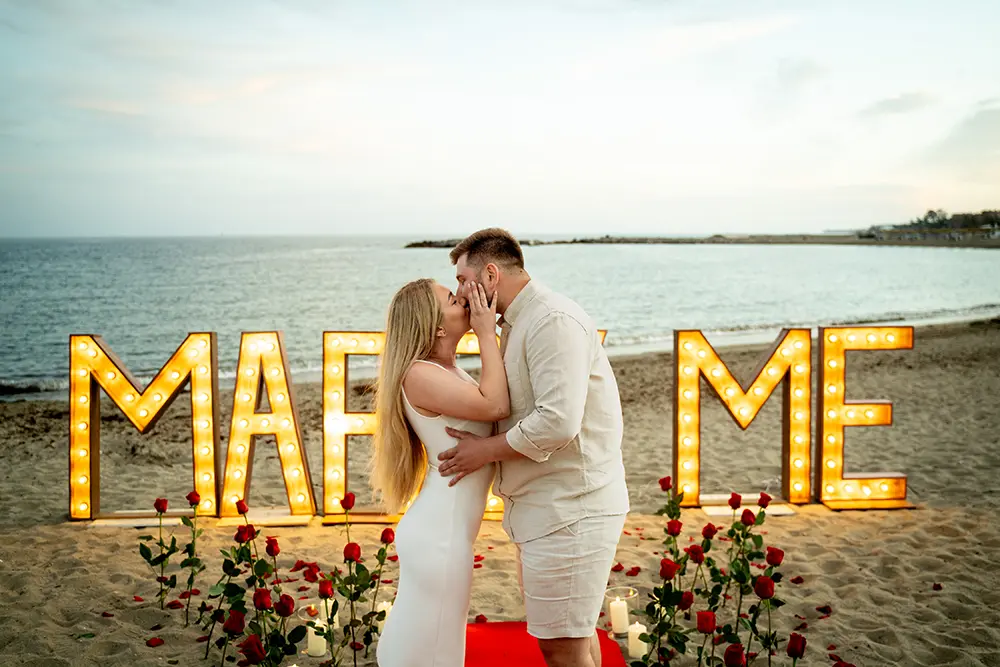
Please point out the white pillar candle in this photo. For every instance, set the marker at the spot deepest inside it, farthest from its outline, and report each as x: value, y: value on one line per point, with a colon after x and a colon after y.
x: 316, y: 644
x: 619, y: 616
x: 636, y: 647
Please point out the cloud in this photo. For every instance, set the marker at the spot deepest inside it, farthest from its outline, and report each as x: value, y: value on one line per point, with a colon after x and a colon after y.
x: 793, y: 74
x: 972, y: 148
x: 905, y: 103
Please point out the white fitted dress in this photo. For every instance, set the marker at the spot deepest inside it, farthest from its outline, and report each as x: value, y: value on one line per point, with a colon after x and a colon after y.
x: 434, y: 541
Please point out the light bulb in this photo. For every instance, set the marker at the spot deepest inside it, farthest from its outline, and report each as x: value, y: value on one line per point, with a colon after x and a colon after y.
x: 867, y: 490
x: 335, y: 369
x: 851, y: 338
x: 871, y: 338
x: 285, y: 423
x: 302, y: 497
x: 335, y: 474
x: 687, y: 441
x: 175, y: 375
x: 831, y: 463
x: 206, y: 424
x: 203, y: 343
x: 203, y: 398
x: 798, y: 345
x: 157, y: 397
x: 371, y: 343
x: 687, y: 488
x: 82, y: 346
x: 206, y: 504
x: 798, y: 393
x: 250, y: 372
x: 82, y: 372
x: 687, y: 465
x: 207, y: 477
x: 832, y: 338
x: 884, y: 487
x: 290, y: 448
x: 830, y: 489
x: 759, y: 391
x: 849, y: 489
x: 237, y: 474
x: 716, y: 372
x: 83, y: 399
x: 111, y: 375
x: 785, y: 352
x: 831, y: 439
x: 833, y: 363
x: 264, y: 423
x: 799, y: 416
x: 270, y: 347
x: 730, y: 392
x: 336, y: 395
x: 688, y: 393
x: 93, y: 354
x: 832, y: 414
x: 799, y: 463
x: 205, y: 451
x: 203, y: 369
x: 83, y: 507
x: 279, y: 398
x: 129, y: 397
x: 246, y: 398
x: 850, y: 414
x: 296, y: 472
x: 240, y: 449
x: 869, y: 413
x: 832, y: 389
x: 193, y: 353
x: 493, y: 502
x: 688, y: 370
x: 82, y: 453
x: 797, y: 486
x: 890, y: 337
x: 799, y: 439
x: 244, y: 423
x: 83, y: 479
x: 800, y: 368
x: 275, y: 372
x: 745, y: 411
x: 686, y: 418
x: 143, y: 412
x: 687, y: 346
x: 772, y: 371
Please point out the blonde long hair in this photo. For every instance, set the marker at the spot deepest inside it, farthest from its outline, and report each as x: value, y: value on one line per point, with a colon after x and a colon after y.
x: 398, y: 457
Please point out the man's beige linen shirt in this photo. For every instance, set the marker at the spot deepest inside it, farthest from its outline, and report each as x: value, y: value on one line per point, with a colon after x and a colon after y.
x: 565, y: 418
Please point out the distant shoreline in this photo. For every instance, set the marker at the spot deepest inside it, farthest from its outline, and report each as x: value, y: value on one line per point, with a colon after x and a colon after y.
x: 751, y: 239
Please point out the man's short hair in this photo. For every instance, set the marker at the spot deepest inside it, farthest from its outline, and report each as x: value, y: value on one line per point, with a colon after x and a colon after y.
x: 490, y: 245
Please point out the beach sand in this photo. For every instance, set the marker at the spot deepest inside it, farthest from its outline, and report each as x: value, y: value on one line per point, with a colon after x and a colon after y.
x: 876, y: 569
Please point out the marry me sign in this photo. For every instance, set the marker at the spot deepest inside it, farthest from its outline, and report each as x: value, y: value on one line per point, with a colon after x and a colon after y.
x: 815, y: 414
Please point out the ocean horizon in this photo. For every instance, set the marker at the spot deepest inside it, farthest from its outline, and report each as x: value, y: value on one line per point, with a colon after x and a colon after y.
x: 144, y: 295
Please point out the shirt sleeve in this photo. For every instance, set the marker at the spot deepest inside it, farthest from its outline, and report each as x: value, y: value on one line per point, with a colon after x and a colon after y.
x: 558, y: 351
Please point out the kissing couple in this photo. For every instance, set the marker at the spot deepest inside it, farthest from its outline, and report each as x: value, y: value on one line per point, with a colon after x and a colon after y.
x: 543, y: 425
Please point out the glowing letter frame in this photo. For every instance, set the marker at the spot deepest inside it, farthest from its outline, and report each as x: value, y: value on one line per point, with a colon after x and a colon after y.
x: 93, y: 367
x: 263, y: 367
x: 835, y: 488
x: 338, y: 424
x: 787, y: 363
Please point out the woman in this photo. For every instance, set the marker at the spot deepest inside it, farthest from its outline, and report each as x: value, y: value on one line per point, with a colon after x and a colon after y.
x: 420, y: 392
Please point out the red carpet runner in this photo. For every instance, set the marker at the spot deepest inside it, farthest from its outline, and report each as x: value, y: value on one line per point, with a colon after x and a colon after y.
x: 508, y: 644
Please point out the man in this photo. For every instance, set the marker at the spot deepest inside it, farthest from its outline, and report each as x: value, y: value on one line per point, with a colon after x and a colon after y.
x: 560, y: 469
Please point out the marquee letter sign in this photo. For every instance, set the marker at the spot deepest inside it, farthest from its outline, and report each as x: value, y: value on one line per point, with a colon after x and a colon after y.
x: 338, y: 423
x: 837, y: 489
x: 263, y: 375
x: 93, y: 367
x: 789, y: 362
x: 263, y: 369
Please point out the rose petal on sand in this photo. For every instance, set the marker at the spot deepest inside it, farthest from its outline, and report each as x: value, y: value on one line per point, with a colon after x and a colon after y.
x: 387, y: 581
x: 796, y: 580
x: 801, y: 626
x: 154, y: 642
x: 477, y: 566
x: 136, y: 598
x: 393, y: 558
x: 202, y: 639
x: 478, y: 558
x: 633, y: 572
x: 175, y: 604
x: 481, y: 618
x: 825, y: 609
x: 617, y: 567
x: 831, y: 647
x: 937, y: 587
x: 303, y: 588
x: 107, y: 614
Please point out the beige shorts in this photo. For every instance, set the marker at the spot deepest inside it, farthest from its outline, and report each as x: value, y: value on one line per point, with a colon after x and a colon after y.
x: 563, y: 576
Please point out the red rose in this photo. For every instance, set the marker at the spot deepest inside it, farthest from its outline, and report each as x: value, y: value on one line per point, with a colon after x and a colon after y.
x: 774, y: 556
x: 668, y: 569
x: 748, y: 518
x: 674, y: 527
x: 272, y: 547
x: 348, y: 501
x: 796, y: 645
x: 687, y: 599
x: 706, y: 622
x: 735, y: 500
x: 733, y: 657
x: 193, y: 498
x: 262, y: 599
x: 764, y: 587
x: 352, y: 552
x: 326, y: 589
x: 666, y: 483
x: 241, y: 506
x: 696, y: 553
x: 253, y: 650
x: 154, y: 642
x: 709, y: 531
x: 285, y: 606
x: 245, y: 533
x: 160, y: 505
x: 388, y: 536
x: 235, y: 623
x: 764, y: 500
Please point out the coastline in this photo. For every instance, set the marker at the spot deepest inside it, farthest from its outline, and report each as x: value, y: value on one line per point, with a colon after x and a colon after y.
x: 748, y: 239
x: 876, y: 569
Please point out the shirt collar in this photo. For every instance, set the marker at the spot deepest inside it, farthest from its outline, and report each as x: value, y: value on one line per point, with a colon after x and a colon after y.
x: 523, y: 298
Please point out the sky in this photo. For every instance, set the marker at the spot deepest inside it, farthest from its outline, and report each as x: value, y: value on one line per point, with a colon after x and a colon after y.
x: 433, y: 119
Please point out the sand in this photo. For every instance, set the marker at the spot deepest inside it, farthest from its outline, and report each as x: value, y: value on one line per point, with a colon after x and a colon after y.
x: 876, y: 569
